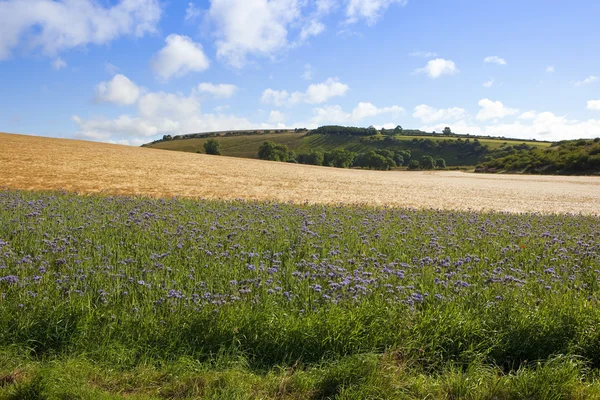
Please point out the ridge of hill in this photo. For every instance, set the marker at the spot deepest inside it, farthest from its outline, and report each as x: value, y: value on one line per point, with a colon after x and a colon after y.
x: 455, y: 149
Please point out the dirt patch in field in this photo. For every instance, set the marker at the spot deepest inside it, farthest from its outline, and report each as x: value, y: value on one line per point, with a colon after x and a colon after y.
x: 38, y: 163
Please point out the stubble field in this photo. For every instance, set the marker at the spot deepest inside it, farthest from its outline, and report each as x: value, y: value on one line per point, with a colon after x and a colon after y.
x: 35, y: 163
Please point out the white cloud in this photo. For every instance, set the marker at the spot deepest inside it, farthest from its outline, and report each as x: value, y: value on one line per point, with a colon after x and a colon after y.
x: 119, y: 90
x: 315, y: 93
x: 493, y: 110
x: 544, y: 126
x: 325, y: 6
x: 587, y: 81
x: 277, y: 97
x: 191, y: 12
x: 489, y: 83
x: 428, y: 114
x: 313, y: 28
x: 222, y: 90
x: 369, y: 10
x: 528, y: 115
x: 58, y: 63
x: 179, y: 57
x: 247, y: 27
x: 308, y: 72
x: 593, y: 105
x: 335, y: 114
x: 550, y: 68
x: 424, y: 54
x: 438, y: 67
x: 276, y: 117
x: 53, y: 26
x: 495, y: 60
x: 321, y: 92
x: 174, y: 107
x: 159, y: 113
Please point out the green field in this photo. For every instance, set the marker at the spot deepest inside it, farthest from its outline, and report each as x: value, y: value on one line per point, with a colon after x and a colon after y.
x: 246, y: 146
x: 120, y: 298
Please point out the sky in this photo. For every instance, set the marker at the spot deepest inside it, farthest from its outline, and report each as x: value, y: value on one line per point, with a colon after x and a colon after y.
x: 131, y: 71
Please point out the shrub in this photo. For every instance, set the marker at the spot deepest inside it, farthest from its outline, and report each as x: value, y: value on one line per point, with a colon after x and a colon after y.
x: 427, y: 162
x: 212, y: 146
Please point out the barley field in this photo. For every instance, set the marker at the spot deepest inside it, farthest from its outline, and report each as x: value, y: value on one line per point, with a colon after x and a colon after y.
x: 37, y: 163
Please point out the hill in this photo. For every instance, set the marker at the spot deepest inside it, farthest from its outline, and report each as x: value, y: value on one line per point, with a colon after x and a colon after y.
x: 456, y: 150
x: 39, y: 163
x: 570, y: 157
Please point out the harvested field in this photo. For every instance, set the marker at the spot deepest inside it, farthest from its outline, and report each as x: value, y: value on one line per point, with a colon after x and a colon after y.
x: 38, y: 163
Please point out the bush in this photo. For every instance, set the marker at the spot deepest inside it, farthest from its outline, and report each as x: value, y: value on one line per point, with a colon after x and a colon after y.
x: 413, y: 164
x: 212, y: 146
x: 427, y: 162
x: 314, y: 157
x: 274, y: 152
x: 440, y: 163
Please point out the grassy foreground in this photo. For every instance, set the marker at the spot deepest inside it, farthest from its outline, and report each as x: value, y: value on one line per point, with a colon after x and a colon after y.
x: 115, y: 297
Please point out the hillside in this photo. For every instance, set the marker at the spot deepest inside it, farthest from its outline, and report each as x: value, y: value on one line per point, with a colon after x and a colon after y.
x: 456, y: 150
x: 567, y: 157
x: 39, y: 163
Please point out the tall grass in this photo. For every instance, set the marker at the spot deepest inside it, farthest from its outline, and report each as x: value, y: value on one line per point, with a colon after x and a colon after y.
x: 356, y: 294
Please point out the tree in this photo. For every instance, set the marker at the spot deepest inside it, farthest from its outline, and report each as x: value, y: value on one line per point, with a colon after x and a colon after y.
x: 212, y: 146
x: 314, y: 157
x: 398, y: 130
x: 339, y: 158
x: 427, y: 162
x: 274, y: 152
x: 447, y: 131
x: 440, y: 163
x: 413, y: 164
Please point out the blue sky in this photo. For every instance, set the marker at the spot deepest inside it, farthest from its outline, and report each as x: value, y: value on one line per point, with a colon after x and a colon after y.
x: 130, y: 71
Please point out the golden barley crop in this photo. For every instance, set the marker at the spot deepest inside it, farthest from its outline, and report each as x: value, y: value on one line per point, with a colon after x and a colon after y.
x: 38, y: 163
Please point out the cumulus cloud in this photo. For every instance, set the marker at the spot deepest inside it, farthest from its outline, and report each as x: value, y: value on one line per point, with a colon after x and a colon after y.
x: 56, y: 25
x: 489, y: 83
x: 550, y: 68
x: 179, y: 57
x: 119, y: 90
x: 528, y: 125
x: 543, y: 126
x: 493, y: 110
x: 368, y: 10
x: 276, y: 117
x: 495, y: 60
x: 251, y: 27
x: 222, y: 90
x: 593, y: 105
x: 428, y: 114
x: 315, y: 93
x: 438, y: 67
x: 264, y: 28
x: 587, y: 81
x: 58, y: 63
x: 336, y: 115
x: 159, y: 113
x: 528, y: 115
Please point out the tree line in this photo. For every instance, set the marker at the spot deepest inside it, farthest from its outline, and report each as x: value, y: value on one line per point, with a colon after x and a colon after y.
x: 379, y: 159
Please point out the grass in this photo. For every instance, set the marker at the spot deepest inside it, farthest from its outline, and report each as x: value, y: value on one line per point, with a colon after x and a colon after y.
x: 121, y: 297
x: 247, y: 146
